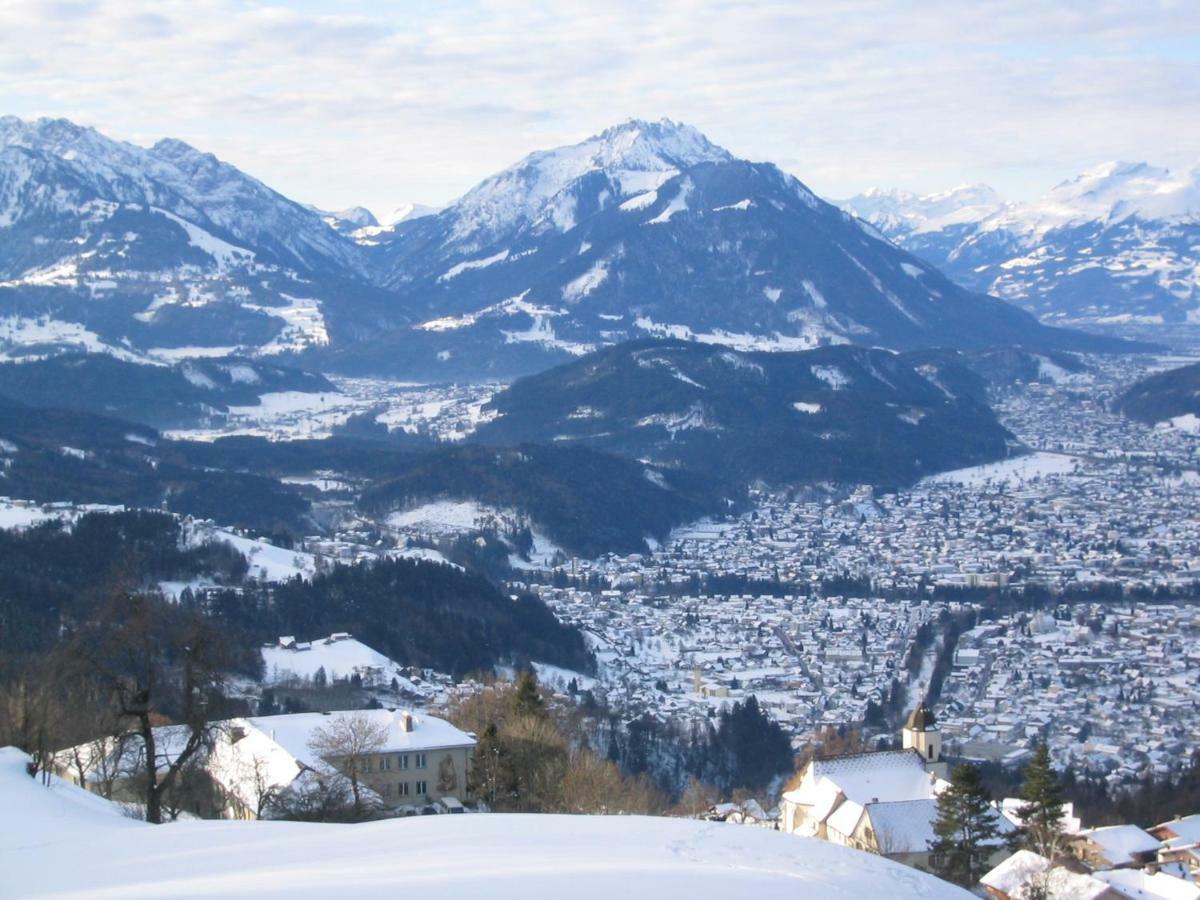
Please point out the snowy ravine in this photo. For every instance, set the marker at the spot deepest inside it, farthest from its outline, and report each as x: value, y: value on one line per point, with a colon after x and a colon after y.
x: 464, y: 856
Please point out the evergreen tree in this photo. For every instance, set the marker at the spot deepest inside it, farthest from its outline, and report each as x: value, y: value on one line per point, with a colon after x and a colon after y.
x: 528, y: 702
x: 966, y: 828
x: 1042, y: 812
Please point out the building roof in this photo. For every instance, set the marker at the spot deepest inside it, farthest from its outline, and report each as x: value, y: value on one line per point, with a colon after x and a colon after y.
x: 1186, y: 828
x: 1013, y: 875
x: 903, y: 827
x: 1120, y: 844
x: 295, y: 731
x: 1140, y: 885
x: 886, y: 776
x: 846, y: 818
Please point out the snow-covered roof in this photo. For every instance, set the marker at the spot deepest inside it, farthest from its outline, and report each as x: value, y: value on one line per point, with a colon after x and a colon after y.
x: 1139, y: 885
x: 846, y: 818
x: 1012, y: 806
x: 294, y: 732
x: 1015, y: 875
x: 903, y: 827
x: 887, y: 776
x: 1121, y: 844
x: 1186, y: 829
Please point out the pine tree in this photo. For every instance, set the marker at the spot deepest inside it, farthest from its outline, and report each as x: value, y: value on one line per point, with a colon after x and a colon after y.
x: 1042, y: 812
x: 527, y: 701
x: 966, y: 828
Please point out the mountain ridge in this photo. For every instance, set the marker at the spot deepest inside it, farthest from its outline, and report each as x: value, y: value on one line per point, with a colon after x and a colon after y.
x: 1113, y: 244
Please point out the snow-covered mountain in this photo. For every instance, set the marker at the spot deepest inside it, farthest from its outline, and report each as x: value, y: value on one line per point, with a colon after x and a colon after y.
x: 105, y: 245
x: 1119, y: 243
x: 901, y: 213
x: 648, y: 229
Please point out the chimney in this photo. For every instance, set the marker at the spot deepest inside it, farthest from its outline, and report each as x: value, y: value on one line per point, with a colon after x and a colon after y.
x: 406, y: 720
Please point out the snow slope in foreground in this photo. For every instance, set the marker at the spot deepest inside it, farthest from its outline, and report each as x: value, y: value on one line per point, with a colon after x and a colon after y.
x: 54, y: 845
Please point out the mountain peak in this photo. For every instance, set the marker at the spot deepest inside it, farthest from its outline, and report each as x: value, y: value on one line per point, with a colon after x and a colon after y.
x: 636, y: 156
x: 635, y: 143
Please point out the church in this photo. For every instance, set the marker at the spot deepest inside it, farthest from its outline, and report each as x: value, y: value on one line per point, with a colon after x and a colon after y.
x: 883, y: 802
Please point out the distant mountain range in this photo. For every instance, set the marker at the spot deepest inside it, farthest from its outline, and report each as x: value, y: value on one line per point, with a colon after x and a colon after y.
x: 163, y: 252
x: 838, y: 414
x: 646, y: 229
x: 1117, y: 244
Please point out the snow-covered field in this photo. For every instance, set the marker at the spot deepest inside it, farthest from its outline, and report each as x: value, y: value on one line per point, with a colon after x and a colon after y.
x: 341, y: 658
x: 26, y: 513
x: 448, y: 516
x: 449, y: 412
x: 61, y: 842
x: 267, y: 562
x: 1009, y: 471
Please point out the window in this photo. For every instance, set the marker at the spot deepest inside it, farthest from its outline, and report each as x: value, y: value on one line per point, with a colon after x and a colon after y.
x: 385, y: 763
x: 402, y: 789
x: 420, y: 760
x: 367, y: 764
x: 403, y: 761
x: 422, y: 788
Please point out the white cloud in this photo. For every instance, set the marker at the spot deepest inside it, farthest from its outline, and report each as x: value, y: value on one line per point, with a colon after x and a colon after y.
x: 356, y: 102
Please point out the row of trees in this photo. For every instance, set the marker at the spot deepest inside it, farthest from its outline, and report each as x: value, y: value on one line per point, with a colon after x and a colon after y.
x: 533, y: 756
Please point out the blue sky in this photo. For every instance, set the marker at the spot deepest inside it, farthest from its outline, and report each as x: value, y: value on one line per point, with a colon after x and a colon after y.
x: 385, y: 102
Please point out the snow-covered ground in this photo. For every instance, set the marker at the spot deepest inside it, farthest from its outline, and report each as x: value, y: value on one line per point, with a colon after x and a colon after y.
x: 61, y: 842
x: 267, y: 562
x: 449, y: 412
x: 1010, y: 471
x: 21, y: 514
x: 449, y: 516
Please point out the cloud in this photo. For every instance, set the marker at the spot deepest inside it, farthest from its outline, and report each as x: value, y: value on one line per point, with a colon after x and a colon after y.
x: 356, y: 102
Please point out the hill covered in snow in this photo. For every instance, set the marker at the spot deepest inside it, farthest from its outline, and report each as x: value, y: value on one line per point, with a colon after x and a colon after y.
x: 462, y: 856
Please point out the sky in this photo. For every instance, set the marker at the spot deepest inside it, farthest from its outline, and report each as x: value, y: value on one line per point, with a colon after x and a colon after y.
x: 385, y: 102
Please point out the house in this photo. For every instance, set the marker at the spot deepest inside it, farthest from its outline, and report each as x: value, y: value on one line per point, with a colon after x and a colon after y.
x: 419, y: 759
x: 1180, y: 844
x: 1116, y: 846
x: 883, y: 802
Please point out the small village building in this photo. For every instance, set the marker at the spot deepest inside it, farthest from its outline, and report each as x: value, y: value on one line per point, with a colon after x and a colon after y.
x: 421, y: 760
x: 1116, y: 846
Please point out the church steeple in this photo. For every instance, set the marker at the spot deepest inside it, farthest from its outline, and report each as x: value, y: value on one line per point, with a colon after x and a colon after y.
x: 921, y: 734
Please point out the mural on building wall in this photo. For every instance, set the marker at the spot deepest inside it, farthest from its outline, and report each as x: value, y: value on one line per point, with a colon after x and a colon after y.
x: 447, y: 775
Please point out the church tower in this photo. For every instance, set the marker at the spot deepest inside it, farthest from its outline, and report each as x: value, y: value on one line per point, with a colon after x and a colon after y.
x: 921, y: 734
